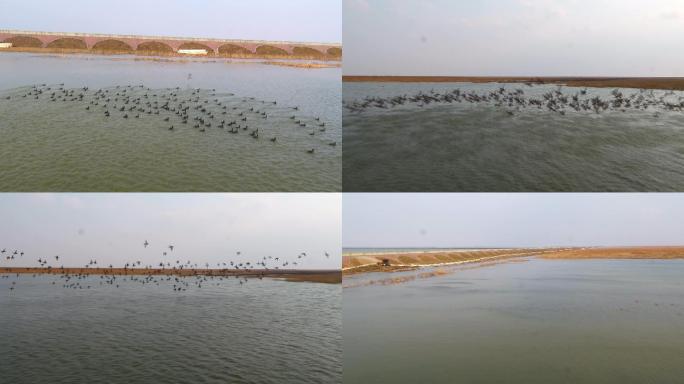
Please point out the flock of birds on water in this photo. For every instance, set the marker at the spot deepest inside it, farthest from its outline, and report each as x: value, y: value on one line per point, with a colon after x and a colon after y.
x: 198, y: 109
x: 514, y: 101
x: 136, y: 271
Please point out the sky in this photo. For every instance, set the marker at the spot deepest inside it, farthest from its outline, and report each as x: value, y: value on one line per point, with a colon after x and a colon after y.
x: 293, y: 20
x: 514, y: 37
x: 112, y: 228
x: 511, y: 220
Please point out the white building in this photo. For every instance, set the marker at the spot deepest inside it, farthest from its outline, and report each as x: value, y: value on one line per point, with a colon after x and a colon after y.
x: 5, y: 45
x: 193, y: 51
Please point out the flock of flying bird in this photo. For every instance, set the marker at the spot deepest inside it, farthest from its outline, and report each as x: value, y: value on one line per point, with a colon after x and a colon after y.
x: 555, y: 101
x: 199, y: 109
x: 143, y: 273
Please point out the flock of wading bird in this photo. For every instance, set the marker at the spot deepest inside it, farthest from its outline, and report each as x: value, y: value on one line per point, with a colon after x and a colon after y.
x: 182, y: 275
x: 516, y: 100
x: 200, y: 109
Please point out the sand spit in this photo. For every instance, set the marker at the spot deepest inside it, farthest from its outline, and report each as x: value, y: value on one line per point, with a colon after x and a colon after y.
x: 396, y: 262
x: 436, y: 272
x: 665, y: 83
x: 294, y: 275
x: 301, y: 65
x: 392, y: 262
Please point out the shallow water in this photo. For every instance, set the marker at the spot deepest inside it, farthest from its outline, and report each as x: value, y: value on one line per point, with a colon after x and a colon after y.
x: 480, y: 147
x: 540, y: 321
x: 59, y: 146
x: 265, y: 331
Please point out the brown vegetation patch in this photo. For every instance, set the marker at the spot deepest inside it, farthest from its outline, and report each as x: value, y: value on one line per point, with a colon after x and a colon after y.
x: 334, y: 51
x: 154, y: 46
x: 68, y: 43
x: 111, y: 45
x: 619, y: 253
x: 326, y: 278
x: 307, y: 52
x: 24, y: 42
x: 233, y: 49
x: 271, y: 50
x: 302, y: 65
x: 192, y: 45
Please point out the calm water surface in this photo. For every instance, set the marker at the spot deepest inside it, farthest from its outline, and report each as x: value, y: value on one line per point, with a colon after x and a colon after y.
x: 60, y: 146
x: 266, y: 331
x: 540, y: 321
x: 480, y: 147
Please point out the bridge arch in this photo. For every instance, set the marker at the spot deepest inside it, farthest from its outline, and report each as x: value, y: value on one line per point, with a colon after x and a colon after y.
x: 335, y: 51
x: 271, y: 50
x: 307, y: 51
x: 68, y: 43
x: 154, y: 46
x: 24, y: 42
x: 111, y: 45
x: 233, y: 49
x: 193, y: 45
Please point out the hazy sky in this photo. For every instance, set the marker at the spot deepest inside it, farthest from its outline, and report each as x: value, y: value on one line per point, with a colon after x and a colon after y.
x: 503, y: 220
x: 293, y: 20
x: 514, y: 37
x: 203, y: 227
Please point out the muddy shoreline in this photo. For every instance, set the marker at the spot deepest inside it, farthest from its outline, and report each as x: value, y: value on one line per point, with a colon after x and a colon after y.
x: 664, y: 83
x: 70, y: 51
x: 315, y: 276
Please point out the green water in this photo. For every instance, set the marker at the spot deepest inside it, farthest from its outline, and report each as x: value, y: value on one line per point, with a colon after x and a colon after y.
x: 262, y: 331
x: 60, y: 146
x: 538, y: 321
x: 478, y: 147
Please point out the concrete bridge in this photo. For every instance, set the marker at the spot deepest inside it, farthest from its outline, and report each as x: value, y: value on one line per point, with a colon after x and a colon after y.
x: 168, y: 45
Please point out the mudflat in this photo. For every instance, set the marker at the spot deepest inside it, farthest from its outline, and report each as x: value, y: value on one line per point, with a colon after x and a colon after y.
x: 316, y: 276
x: 666, y: 83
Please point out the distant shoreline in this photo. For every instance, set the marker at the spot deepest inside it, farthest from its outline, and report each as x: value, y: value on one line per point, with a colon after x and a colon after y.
x: 68, y: 51
x: 294, y: 275
x: 402, y: 261
x: 663, y: 83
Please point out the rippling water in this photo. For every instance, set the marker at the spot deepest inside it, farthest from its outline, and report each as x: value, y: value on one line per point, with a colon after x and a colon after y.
x: 480, y: 147
x: 265, y: 331
x: 59, y: 146
x: 540, y: 321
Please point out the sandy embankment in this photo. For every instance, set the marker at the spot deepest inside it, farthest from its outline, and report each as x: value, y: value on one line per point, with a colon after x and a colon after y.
x: 411, y: 260
x: 665, y: 83
x: 675, y: 252
x: 70, y: 51
x: 317, y: 276
x: 405, y: 261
